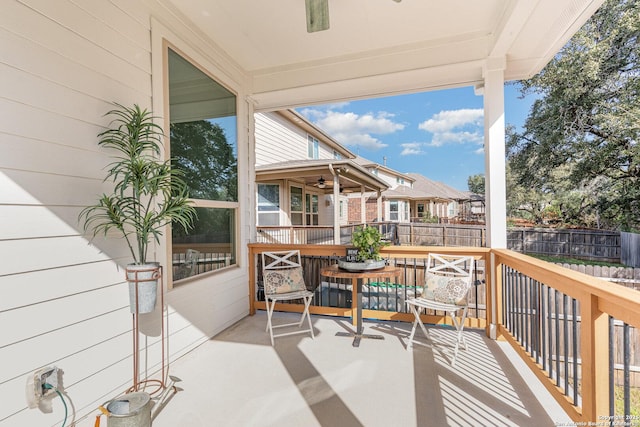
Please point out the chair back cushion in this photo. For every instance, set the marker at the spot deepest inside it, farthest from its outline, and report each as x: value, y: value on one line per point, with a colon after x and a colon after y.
x: 283, y: 280
x: 446, y: 289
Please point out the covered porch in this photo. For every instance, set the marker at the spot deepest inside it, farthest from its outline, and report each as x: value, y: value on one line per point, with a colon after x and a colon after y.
x: 327, y: 382
x: 64, y: 66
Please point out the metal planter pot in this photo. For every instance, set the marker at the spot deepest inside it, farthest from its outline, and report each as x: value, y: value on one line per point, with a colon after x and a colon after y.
x: 144, y: 277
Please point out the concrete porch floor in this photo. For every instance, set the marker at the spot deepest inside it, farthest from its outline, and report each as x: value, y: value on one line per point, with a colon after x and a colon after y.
x: 238, y: 379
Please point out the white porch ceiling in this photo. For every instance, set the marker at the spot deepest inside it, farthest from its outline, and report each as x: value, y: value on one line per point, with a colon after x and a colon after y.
x: 381, y: 47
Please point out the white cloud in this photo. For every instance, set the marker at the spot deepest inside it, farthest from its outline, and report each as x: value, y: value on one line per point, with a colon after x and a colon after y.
x: 448, y: 120
x: 354, y: 130
x: 412, y: 148
x: 462, y: 137
x: 462, y: 126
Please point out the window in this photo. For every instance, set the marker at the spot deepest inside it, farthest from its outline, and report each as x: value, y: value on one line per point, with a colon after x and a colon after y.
x: 336, y: 155
x: 296, y: 212
x: 420, y: 210
x: 268, y: 204
x: 452, y: 209
x: 203, y: 144
x: 399, y: 180
x: 312, y: 147
x: 393, y: 210
x: 311, y: 208
x: 341, y: 209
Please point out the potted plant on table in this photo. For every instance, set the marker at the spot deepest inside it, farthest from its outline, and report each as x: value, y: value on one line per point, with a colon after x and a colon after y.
x: 148, y: 194
x: 367, y: 241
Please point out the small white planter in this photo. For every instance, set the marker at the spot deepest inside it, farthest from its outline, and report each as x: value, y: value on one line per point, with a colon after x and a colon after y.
x: 145, y: 278
x: 361, y: 266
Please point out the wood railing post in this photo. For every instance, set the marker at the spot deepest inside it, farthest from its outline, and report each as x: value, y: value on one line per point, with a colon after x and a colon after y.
x: 493, y: 272
x: 594, y: 337
x: 252, y: 281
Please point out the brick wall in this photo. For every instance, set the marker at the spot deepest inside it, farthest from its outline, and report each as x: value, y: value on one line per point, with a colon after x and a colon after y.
x: 371, y: 209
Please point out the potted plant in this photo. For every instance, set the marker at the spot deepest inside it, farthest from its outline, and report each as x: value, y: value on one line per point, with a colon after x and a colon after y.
x: 367, y: 241
x: 148, y: 194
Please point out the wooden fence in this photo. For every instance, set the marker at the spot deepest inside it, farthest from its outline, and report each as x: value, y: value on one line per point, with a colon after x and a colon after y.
x: 594, y: 245
x: 581, y: 244
x: 630, y: 249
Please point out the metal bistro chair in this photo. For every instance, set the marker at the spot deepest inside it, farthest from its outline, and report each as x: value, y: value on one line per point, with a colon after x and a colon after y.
x: 447, y: 283
x: 284, y: 281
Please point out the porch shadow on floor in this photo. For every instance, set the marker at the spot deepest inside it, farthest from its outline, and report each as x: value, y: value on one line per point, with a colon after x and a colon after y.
x: 239, y: 379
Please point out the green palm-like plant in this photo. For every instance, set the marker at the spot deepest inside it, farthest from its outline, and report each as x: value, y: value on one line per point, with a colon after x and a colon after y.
x: 148, y: 193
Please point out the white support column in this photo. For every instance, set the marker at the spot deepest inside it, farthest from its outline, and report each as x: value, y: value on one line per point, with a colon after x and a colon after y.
x: 495, y: 170
x: 494, y: 153
x: 336, y: 209
x: 379, y: 206
x: 363, y: 206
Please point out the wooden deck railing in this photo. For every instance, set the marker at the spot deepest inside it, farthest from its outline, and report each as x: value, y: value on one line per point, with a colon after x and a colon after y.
x: 596, y: 301
x: 558, y: 320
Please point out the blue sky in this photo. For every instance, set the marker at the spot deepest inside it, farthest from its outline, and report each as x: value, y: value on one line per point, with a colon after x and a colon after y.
x: 436, y: 134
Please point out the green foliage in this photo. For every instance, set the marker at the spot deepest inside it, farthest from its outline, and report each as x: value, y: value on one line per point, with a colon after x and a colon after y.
x: 200, y: 149
x: 427, y: 218
x: 578, y: 147
x: 561, y: 260
x: 148, y: 193
x: 368, y: 240
x: 475, y: 183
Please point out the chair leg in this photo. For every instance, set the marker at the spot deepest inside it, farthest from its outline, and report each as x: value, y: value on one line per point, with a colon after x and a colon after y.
x: 416, y: 322
x: 270, y: 307
x: 459, y: 324
x: 271, y: 304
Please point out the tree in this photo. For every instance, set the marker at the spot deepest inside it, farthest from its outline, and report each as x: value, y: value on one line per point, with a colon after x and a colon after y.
x: 475, y: 183
x: 200, y: 149
x: 583, y: 130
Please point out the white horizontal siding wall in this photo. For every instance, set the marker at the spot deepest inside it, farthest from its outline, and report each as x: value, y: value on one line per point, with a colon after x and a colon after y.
x: 63, y: 300
x: 279, y: 140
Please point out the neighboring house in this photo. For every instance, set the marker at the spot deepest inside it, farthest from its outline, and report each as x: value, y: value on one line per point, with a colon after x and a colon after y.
x: 303, y: 177
x: 410, y: 197
x: 435, y: 199
x: 396, y: 206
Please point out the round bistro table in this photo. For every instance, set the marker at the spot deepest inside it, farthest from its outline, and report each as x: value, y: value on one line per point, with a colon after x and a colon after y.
x: 357, y: 279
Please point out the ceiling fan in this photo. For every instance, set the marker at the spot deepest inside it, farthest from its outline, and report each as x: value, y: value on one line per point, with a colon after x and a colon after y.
x: 322, y: 183
x: 318, y: 15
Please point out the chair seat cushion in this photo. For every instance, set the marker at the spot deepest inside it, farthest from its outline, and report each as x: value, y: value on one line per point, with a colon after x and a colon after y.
x: 284, y: 281
x: 449, y: 290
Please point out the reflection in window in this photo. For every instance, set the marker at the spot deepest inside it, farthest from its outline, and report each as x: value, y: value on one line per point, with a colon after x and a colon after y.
x: 268, y: 204
x: 203, y: 144
x: 312, y: 147
x: 296, y: 206
x: 311, y: 209
x: 393, y: 210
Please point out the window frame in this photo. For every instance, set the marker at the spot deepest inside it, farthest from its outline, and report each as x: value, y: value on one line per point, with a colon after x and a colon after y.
x: 311, y: 201
x: 300, y: 212
x: 313, y: 147
x: 395, y: 211
x: 258, y: 204
x: 235, y: 232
